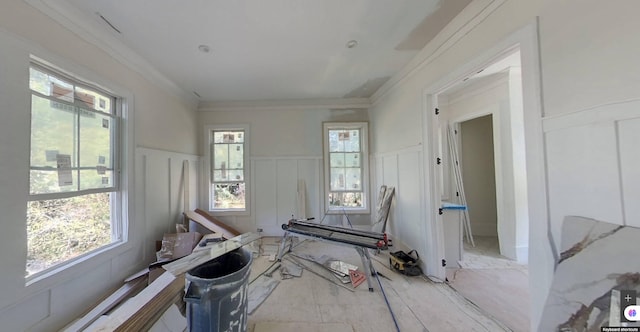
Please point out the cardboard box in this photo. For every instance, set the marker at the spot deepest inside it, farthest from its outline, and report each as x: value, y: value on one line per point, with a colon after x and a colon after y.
x: 177, y: 245
x: 172, y: 247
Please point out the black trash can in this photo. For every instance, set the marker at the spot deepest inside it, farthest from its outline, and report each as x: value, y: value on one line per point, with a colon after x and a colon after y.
x: 216, y: 293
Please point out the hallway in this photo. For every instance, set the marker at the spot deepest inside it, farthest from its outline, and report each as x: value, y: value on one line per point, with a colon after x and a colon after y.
x: 497, y: 285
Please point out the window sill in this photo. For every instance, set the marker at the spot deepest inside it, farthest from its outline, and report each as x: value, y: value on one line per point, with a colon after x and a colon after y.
x: 223, y: 213
x: 348, y: 211
x: 75, y: 267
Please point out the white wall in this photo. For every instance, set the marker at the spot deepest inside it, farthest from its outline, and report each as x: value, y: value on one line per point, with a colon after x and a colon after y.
x: 161, y: 121
x: 584, y: 64
x: 401, y: 169
x: 286, y: 147
x: 162, y: 178
x: 479, y: 175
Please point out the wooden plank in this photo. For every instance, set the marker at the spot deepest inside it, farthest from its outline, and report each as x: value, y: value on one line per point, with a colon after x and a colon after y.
x: 211, y: 223
x: 107, y: 304
x: 227, y: 230
x: 197, y: 258
x: 143, y: 310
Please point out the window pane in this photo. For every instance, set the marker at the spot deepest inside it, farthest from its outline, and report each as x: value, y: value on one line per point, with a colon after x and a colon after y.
x: 352, y: 159
x: 95, y: 139
x: 353, y: 179
x: 337, y: 179
x: 351, y: 139
x: 336, y: 143
x: 228, y: 196
x: 236, y: 175
x: 61, y: 89
x: 52, y: 132
x: 221, y: 176
x: 61, y: 229
x: 221, y: 156
x: 39, y: 81
x: 345, y: 199
x: 93, y: 100
x: 236, y: 156
x: 96, y: 178
x: 44, y: 182
x: 228, y: 137
x: 336, y: 159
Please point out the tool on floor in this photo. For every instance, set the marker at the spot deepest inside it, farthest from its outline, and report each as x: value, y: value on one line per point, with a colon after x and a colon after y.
x: 404, y: 263
x: 361, y: 240
x: 356, y: 278
x: 386, y: 300
x: 453, y: 148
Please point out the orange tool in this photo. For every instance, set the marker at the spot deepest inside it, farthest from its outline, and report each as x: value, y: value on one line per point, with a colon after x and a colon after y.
x: 356, y: 278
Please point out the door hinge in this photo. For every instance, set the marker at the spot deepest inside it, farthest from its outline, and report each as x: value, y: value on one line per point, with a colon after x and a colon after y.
x: 438, y: 161
x: 457, y: 193
x: 444, y: 262
x: 440, y: 211
x: 437, y: 111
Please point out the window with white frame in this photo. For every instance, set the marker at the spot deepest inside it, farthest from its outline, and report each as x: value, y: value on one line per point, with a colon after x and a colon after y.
x: 346, y: 167
x: 228, y: 165
x: 74, y: 190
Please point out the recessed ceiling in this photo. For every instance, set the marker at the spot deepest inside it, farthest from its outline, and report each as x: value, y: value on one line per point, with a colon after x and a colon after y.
x: 248, y: 50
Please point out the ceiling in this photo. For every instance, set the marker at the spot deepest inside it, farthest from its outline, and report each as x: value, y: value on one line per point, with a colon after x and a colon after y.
x: 270, y: 50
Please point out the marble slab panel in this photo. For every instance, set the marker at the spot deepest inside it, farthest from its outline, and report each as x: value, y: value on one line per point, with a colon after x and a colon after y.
x: 596, y: 257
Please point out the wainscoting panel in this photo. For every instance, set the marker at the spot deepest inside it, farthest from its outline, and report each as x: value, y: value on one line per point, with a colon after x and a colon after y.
x: 160, y: 185
x: 629, y: 139
x: 592, y: 165
x: 275, y: 182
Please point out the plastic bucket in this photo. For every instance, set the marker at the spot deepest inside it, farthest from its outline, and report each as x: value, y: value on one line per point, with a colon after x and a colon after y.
x: 216, y: 293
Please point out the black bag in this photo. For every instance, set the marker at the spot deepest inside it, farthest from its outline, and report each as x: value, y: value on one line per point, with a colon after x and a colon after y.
x: 404, y: 263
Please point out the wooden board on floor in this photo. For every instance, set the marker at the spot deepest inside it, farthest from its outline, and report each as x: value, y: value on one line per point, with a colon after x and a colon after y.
x: 211, y: 223
x: 127, y: 290
x: 143, y: 310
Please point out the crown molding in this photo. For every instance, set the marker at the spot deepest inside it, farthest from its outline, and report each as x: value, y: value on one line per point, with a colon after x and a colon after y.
x: 290, y: 104
x: 472, y: 15
x: 89, y: 30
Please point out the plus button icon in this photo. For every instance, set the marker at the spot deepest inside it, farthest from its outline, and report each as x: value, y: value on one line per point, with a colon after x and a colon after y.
x: 628, y: 298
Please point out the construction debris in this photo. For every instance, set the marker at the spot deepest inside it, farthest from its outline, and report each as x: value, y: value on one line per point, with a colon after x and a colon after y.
x: 356, y: 278
x: 259, y: 290
x: 290, y: 270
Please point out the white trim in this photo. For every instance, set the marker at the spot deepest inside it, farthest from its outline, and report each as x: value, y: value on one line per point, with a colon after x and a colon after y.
x: 303, y: 104
x: 616, y: 111
x: 527, y: 39
x: 364, y: 148
x: 206, y: 190
x: 472, y: 15
x: 434, y: 229
x: 170, y: 154
x: 286, y: 158
x: 92, y: 32
x: 125, y: 139
x: 415, y: 148
x: 479, y: 87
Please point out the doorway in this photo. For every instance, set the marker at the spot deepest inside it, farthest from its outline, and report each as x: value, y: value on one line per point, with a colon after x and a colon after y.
x: 477, y: 165
x: 484, y: 115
